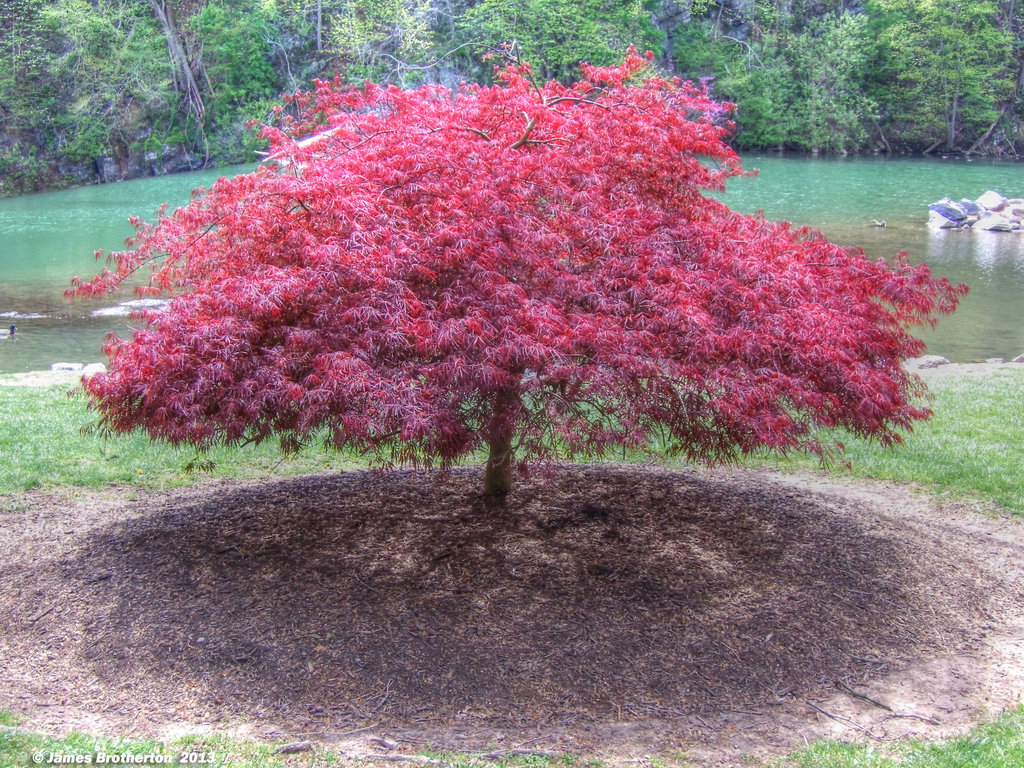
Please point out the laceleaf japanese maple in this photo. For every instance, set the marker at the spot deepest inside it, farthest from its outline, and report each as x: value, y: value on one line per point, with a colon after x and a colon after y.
x: 532, y: 271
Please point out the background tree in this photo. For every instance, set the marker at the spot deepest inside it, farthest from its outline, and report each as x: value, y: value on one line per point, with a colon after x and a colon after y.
x: 111, y: 76
x: 556, y: 35
x: 798, y: 85
x: 26, y: 93
x: 532, y: 271
x: 951, y: 63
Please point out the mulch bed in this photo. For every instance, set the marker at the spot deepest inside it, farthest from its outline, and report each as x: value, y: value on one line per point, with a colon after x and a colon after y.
x: 592, y: 597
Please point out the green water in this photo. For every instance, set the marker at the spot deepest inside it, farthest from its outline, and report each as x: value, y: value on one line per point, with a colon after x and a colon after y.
x: 47, y: 239
x: 842, y: 197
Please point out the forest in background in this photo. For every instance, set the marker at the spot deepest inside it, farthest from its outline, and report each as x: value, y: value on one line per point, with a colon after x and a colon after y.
x: 100, y: 90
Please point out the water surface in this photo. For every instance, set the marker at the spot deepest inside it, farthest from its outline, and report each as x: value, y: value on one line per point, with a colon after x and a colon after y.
x: 48, y: 238
x: 842, y: 198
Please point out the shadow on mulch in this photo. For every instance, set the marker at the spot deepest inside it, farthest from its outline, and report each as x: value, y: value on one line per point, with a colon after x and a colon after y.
x: 594, y: 593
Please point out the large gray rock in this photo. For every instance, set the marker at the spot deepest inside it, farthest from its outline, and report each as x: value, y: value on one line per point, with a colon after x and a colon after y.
x: 992, y: 201
x: 991, y: 221
x: 937, y: 221
x: 928, y: 361
x: 171, y: 159
x: 970, y: 207
x: 949, y: 209
x: 945, y: 214
x: 109, y: 169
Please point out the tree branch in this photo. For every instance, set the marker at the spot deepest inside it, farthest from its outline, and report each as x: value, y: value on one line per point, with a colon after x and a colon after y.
x: 530, y: 125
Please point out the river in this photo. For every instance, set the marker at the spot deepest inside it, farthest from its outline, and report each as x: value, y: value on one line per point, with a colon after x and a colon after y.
x: 46, y: 239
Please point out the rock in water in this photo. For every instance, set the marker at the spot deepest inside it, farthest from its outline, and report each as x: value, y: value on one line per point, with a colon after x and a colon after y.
x: 949, y: 209
x: 970, y: 207
x: 992, y: 201
x: 994, y: 222
x: 929, y: 361
x: 945, y: 214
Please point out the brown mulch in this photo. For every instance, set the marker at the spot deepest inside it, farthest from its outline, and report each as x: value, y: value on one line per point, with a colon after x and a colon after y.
x: 609, y: 608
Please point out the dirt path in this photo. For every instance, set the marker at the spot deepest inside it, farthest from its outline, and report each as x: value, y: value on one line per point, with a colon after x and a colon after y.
x: 615, y: 611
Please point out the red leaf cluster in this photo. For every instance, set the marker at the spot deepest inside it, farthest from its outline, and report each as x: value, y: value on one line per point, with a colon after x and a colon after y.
x: 538, y: 269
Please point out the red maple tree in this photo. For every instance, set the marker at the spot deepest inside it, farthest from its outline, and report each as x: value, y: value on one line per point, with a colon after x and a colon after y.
x: 531, y: 270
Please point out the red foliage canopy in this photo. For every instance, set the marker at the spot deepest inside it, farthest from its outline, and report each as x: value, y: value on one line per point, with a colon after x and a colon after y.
x: 534, y: 270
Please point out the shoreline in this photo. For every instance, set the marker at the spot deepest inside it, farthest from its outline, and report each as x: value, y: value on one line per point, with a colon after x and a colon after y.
x: 945, y: 370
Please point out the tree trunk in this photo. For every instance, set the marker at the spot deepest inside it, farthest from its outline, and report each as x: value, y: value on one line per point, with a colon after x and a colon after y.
x: 184, y: 80
x: 951, y: 138
x: 500, y: 434
x: 498, y: 475
x: 319, y: 25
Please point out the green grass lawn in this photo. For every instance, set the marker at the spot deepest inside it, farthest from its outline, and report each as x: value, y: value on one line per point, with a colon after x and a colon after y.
x: 22, y: 749
x: 971, y: 447
x: 49, y: 439
x: 999, y: 744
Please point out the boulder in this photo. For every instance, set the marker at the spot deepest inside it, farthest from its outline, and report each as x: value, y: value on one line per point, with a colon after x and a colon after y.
x: 949, y: 209
x: 970, y: 207
x: 945, y: 214
x: 1018, y: 359
x: 992, y: 201
x: 937, y: 221
x: 108, y: 169
x: 929, y: 361
x: 92, y: 368
x: 991, y: 221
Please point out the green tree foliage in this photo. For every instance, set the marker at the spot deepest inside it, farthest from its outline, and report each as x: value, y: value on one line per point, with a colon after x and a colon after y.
x: 109, y: 74
x: 556, y: 35
x: 26, y: 95
x: 25, y: 92
x: 945, y: 68
x: 83, y: 79
x: 375, y: 38
x: 922, y: 73
x: 802, y: 89
x: 235, y: 39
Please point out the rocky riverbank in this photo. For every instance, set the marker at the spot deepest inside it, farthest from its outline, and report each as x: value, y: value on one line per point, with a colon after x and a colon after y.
x: 992, y: 212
